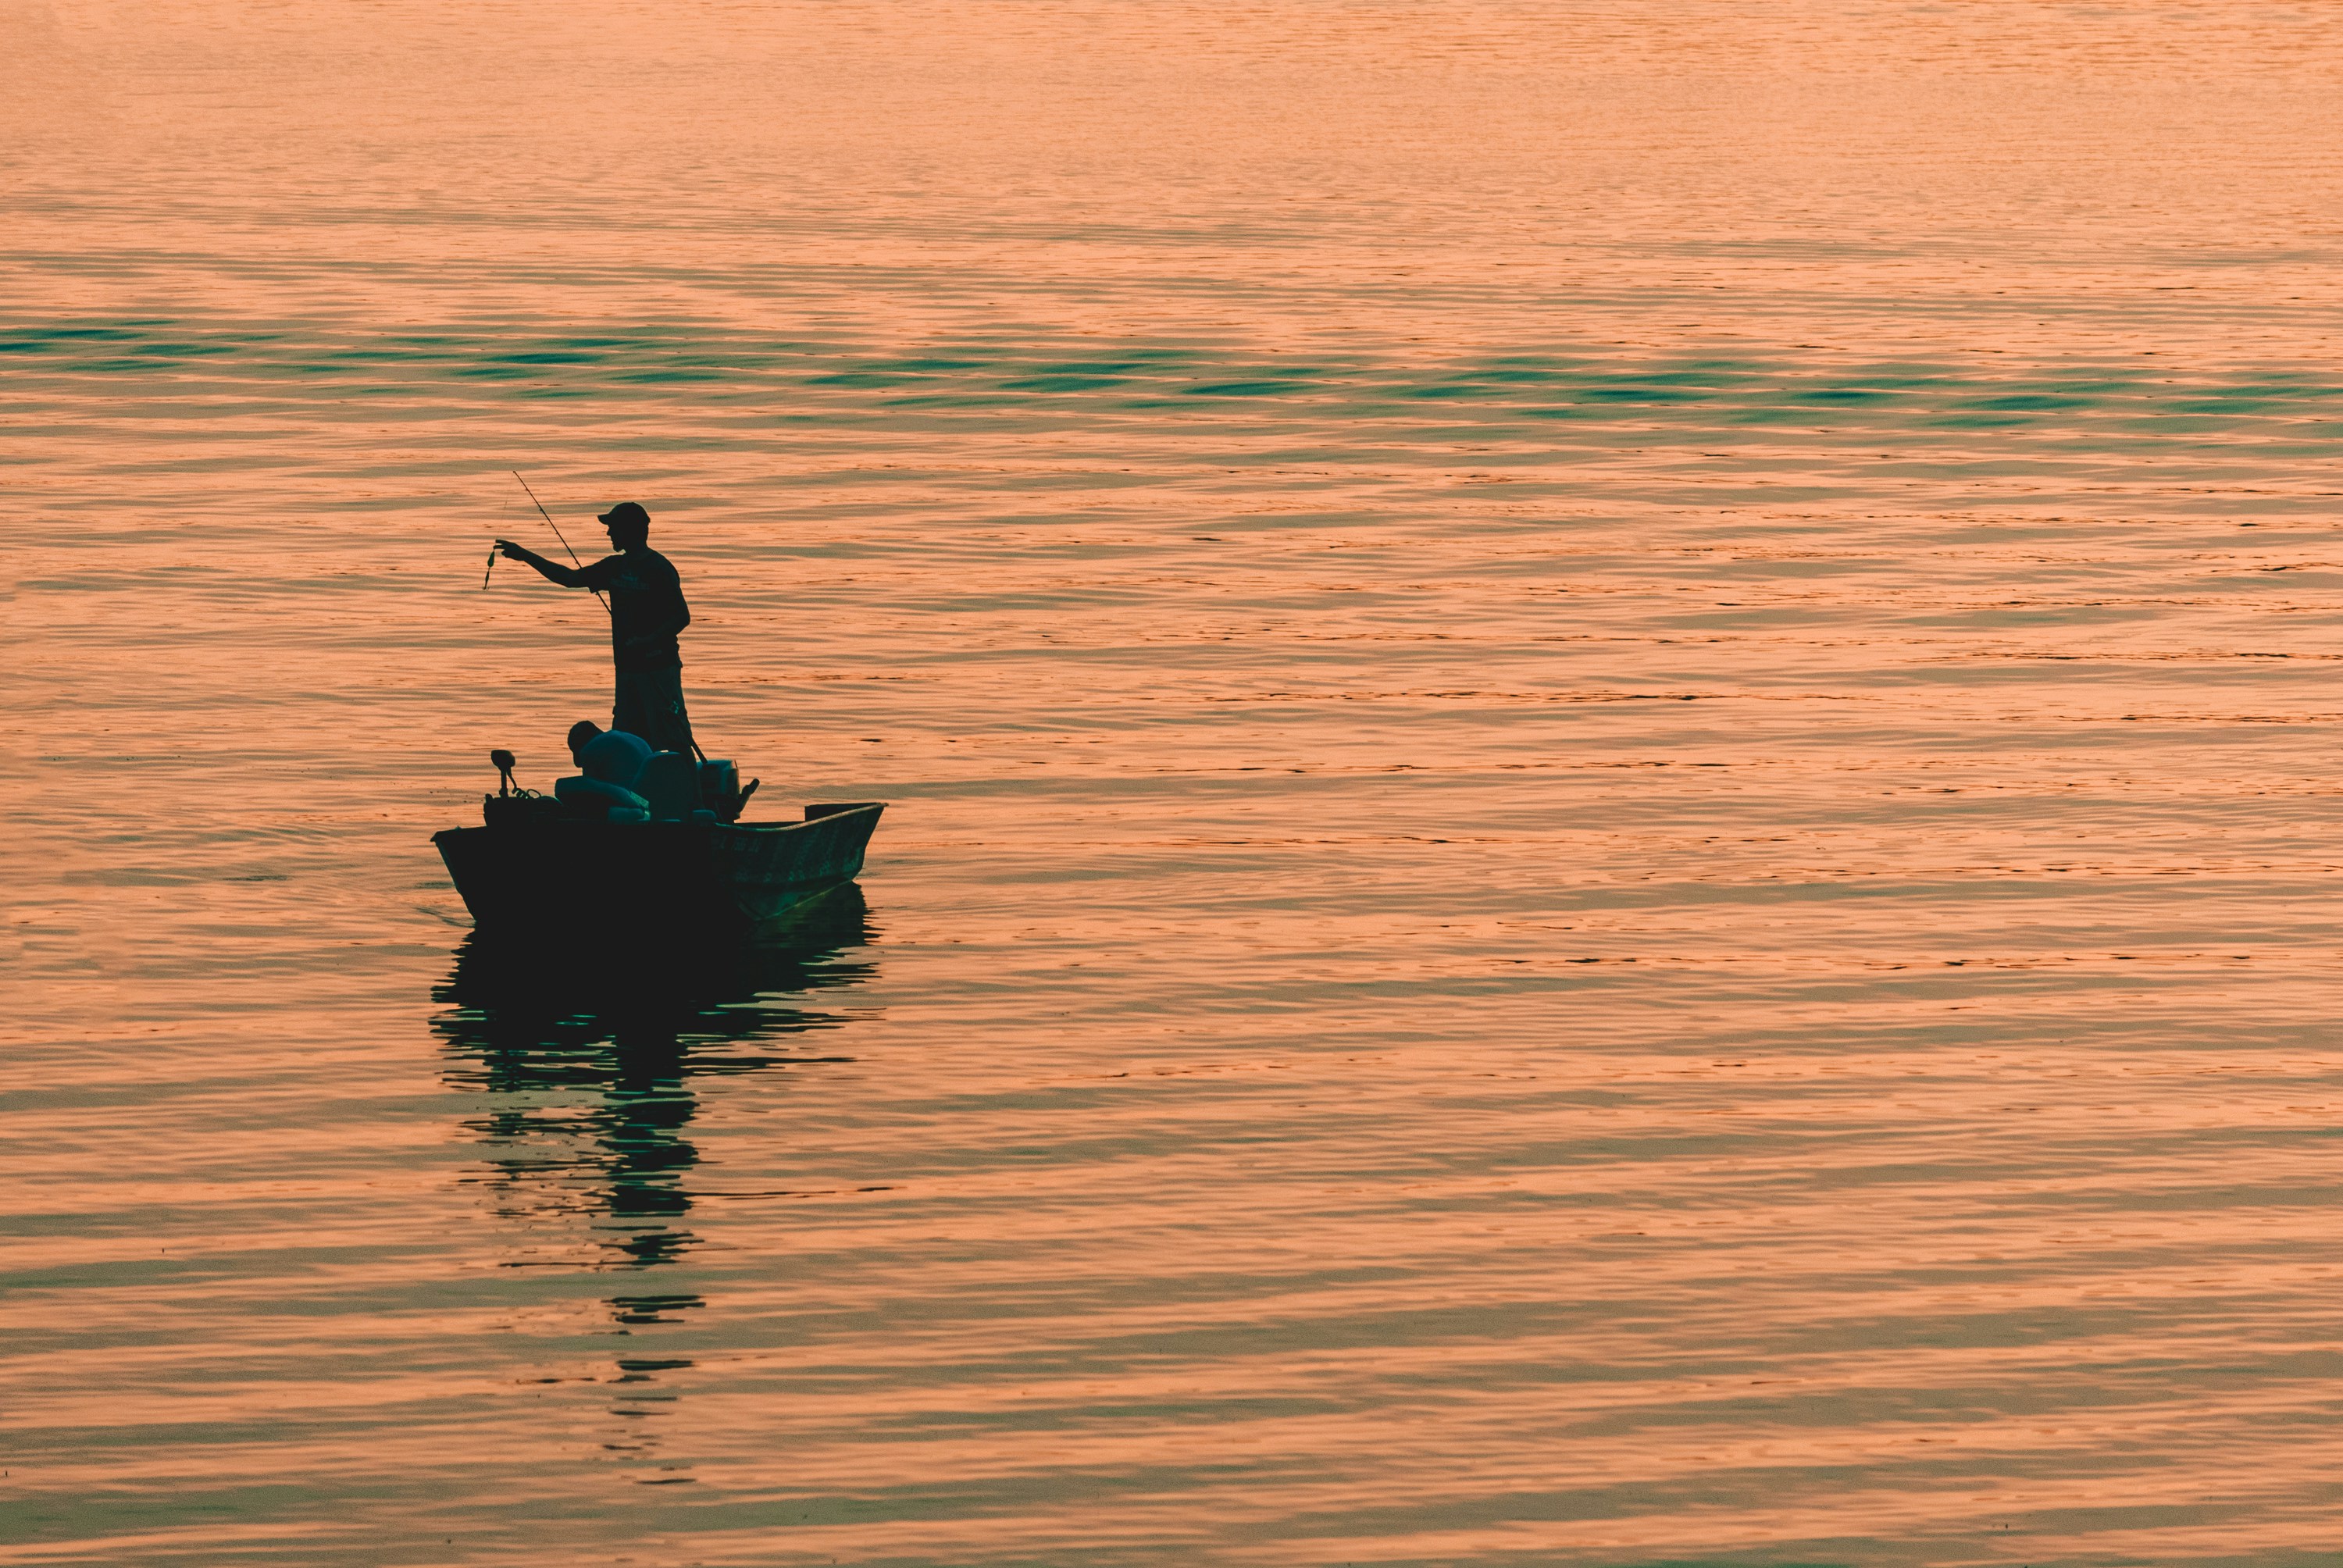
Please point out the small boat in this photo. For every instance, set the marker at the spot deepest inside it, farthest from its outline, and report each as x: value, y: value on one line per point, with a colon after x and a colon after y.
x: 533, y: 869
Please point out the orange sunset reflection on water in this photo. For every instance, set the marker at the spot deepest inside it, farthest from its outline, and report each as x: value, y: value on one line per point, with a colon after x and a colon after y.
x: 1610, y: 738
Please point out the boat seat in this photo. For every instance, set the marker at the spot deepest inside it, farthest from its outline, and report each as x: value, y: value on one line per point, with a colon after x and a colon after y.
x: 594, y: 795
x: 670, y: 782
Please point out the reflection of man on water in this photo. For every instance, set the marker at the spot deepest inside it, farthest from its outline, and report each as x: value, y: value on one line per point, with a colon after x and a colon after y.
x: 647, y: 612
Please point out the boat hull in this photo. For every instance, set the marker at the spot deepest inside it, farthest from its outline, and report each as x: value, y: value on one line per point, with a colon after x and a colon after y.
x: 572, y: 880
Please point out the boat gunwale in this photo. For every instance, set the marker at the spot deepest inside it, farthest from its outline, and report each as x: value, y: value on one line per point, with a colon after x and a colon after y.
x: 829, y: 813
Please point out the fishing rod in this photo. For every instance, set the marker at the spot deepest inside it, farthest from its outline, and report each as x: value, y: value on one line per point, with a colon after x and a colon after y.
x: 557, y: 534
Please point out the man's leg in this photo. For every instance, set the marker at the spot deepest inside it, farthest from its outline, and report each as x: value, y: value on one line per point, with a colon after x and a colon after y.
x: 650, y: 704
x: 628, y: 712
x: 675, y: 733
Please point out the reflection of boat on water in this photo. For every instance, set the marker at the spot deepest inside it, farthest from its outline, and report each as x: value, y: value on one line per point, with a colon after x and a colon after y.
x: 587, y: 1070
x: 534, y: 866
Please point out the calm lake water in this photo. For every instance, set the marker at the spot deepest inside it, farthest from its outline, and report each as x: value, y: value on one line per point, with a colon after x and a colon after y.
x: 1612, y: 734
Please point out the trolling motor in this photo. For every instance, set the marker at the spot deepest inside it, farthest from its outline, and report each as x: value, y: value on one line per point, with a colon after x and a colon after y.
x: 511, y: 803
x: 505, y: 774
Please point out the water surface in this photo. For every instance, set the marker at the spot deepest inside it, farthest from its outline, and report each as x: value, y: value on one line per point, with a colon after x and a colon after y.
x: 1610, y: 733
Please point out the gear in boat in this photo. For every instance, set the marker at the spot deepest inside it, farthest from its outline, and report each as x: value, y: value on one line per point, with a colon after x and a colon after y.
x: 644, y: 840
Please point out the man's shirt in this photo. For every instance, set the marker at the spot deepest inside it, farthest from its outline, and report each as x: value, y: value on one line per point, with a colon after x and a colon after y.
x: 647, y: 608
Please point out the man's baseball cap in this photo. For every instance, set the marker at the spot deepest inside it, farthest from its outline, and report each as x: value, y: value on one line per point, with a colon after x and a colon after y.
x: 628, y: 512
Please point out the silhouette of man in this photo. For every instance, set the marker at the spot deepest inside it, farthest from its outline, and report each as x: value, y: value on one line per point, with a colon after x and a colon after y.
x: 647, y: 612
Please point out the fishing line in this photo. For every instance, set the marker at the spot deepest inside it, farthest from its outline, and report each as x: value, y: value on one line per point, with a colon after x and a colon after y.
x: 559, y: 534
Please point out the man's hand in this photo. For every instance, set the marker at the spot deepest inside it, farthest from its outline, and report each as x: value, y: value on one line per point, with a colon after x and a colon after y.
x: 550, y: 571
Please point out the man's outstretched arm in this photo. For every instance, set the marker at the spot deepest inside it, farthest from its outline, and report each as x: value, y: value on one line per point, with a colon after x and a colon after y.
x: 552, y: 571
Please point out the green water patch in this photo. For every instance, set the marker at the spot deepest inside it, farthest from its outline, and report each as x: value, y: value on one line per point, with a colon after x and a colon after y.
x: 958, y: 401
x: 932, y: 366
x: 1063, y: 383
x: 1842, y: 396
x: 1607, y: 394
x: 1283, y: 387
x: 1089, y: 374
x: 1754, y: 1557
x: 1635, y: 395
x: 1704, y: 376
x: 185, y: 350
x: 2029, y: 402
x: 864, y: 378
x: 1458, y: 390
x: 82, y: 334
x: 120, y: 364
x: 1978, y: 421
x: 546, y: 357
x: 1096, y: 367
x: 368, y: 356
x: 2255, y: 399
